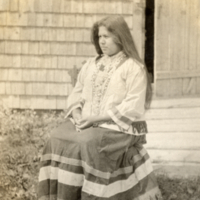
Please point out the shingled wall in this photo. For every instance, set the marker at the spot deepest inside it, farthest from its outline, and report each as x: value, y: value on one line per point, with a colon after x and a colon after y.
x: 42, y: 40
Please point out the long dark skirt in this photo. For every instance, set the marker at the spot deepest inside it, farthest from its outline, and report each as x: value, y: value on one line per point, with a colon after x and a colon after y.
x: 96, y: 164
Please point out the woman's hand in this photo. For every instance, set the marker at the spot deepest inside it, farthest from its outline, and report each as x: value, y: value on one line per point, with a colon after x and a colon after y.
x: 86, y: 122
x: 89, y: 121
x: 76, y: 114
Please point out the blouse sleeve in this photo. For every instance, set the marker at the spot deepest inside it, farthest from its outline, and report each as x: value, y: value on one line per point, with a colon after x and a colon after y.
x: 133, y: 106
x: 74, y: 99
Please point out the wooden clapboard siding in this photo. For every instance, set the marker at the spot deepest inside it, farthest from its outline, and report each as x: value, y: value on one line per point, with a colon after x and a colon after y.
x: 177, y: 48
x: 183, y: 157
x: 174, y: 130
x: 174, y: 140
x: 42, y: 42
x: 174, y: 125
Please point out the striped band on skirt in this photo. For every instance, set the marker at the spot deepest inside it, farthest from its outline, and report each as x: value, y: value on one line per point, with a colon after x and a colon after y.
x: 96, y: 164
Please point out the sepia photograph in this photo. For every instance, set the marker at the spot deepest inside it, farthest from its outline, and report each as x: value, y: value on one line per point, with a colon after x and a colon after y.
x: 99, y: 99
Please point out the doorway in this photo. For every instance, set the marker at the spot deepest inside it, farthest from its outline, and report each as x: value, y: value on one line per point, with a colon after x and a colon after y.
x: 149, y: 34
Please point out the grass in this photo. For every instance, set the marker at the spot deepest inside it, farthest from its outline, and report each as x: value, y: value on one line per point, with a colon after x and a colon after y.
x: 25, y: 133
x: 179, y: 188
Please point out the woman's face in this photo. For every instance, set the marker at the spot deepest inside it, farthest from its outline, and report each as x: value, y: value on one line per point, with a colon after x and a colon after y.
x: 106, y: 42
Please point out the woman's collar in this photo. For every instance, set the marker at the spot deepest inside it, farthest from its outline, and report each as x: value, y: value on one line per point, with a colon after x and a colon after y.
x: 119, y: 54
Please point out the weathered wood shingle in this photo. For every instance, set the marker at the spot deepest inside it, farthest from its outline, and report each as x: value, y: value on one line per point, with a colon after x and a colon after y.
x: 41, y: 43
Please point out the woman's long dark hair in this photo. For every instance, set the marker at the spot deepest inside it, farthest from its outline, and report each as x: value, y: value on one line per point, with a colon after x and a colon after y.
x: 122, y: 36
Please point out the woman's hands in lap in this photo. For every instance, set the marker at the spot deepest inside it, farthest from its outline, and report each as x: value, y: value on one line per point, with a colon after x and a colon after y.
x: 91, y: 120
x: 87, y: 122
x: 82, y: 123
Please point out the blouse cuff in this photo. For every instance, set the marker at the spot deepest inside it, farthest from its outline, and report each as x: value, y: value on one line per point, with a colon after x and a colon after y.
x: 72, y: 107
x: 119, y: 119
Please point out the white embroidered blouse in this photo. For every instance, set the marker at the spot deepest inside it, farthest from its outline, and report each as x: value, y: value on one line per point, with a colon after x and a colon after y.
x: 113, y: 85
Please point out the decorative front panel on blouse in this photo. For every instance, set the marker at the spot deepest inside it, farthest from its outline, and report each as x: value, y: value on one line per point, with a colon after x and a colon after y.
x: 101, y: 78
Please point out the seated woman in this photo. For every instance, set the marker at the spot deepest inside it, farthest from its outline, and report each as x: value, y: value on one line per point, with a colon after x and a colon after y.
x: 98, y: 152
